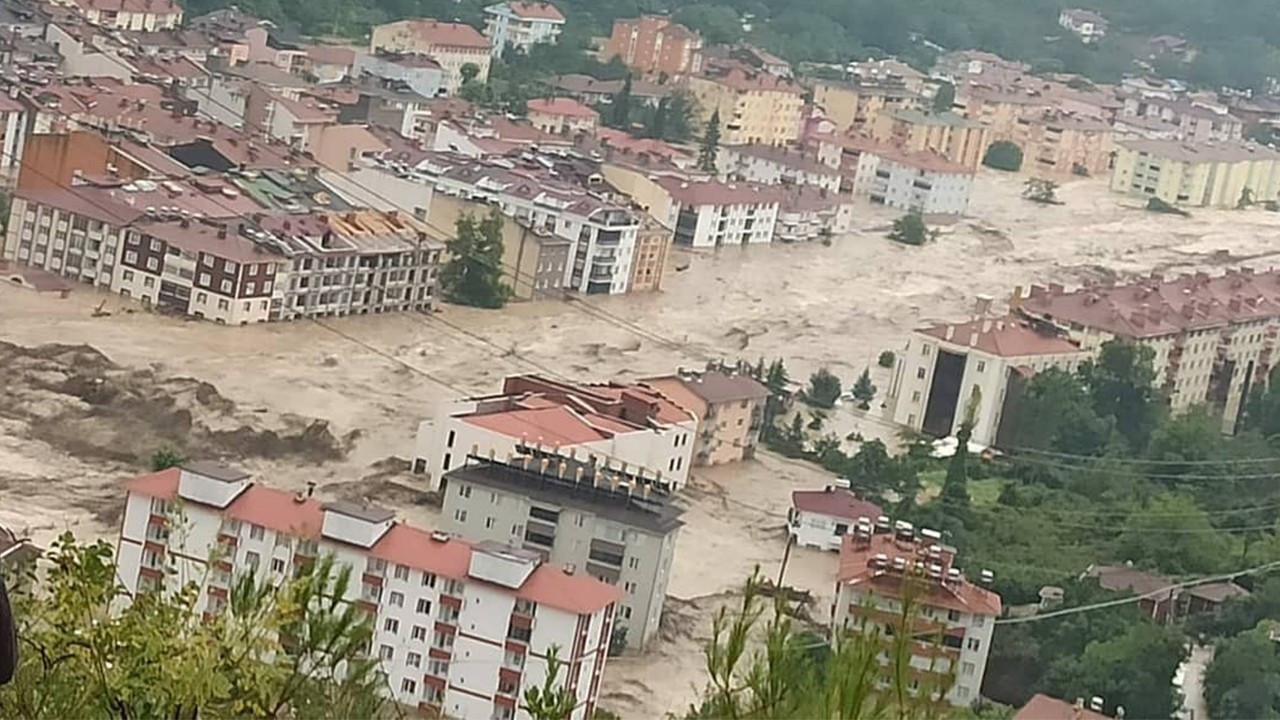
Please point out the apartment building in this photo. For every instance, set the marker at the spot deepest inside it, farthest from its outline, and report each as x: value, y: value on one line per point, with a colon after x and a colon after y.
x: 615, y: 526
x: 653, y: 246
x: 807, y: 213
x: 710, y: 213
x: 13, y: 135
x: 654, y: 45
x: 602, y: 234
x: 561, y: 116
x: 452, y: 45
x: 853, y: 106
x: 130, y: 14
x: 955, y: 138
x: 729, y: 408
x: 1190, y: 119
x: 1211, y: 174
x: 880, y: 565
x: 1087, y: 25
x: 1213, y: 337
x: 420, y: 73
x: 921, y: 182
x: 620, y: 426
x: 460, y: 629
x: 521, y: 25
x: 821, y: 519
x: 755, y: 107
x: 887, y: 72
x: 945, y: 367
x: 773, y: 165
x: 1060, y: 144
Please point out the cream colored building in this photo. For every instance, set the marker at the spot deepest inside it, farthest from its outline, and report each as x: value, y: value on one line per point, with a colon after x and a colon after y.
x: 562, y: 116
x: 729, y: 408
x: 956, y: 138
x: 1210, y: 174
x: 754, y: 106
x: 138, y: 16
x: 852, y: 107
x: 944, y: 368
x: 1053, y: 142
x: 452, y: 45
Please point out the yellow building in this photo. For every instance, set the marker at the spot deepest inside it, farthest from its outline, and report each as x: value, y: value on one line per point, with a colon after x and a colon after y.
x: 851, y: 106
x: 754, y: 106
x: 1209, y: 174
x: 1053, y: 142
x: 958, y: 139
x: 452, y: 45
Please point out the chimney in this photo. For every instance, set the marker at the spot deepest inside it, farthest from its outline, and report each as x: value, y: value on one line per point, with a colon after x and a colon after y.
x: 982, y: 305
x: 951, y: 332
x: 986, y: 326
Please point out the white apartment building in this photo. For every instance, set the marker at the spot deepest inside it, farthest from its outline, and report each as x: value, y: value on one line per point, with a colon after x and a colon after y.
x: 1087, y: 25
x: 822, y: 518
x: 955, y: 618
x: 602, y: 234
x: 13, y: 135
x: 810, y: 213
x: 709, y: 213
x: 920, y: 182
x: 775, y: 165
x: 622, y: 426
x: 460, y: 629
x: 129, y: 14
x: 945, y: 367
x: 521, y: 25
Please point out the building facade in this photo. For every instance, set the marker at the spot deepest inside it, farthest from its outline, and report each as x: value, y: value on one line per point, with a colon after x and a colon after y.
x: 654, y: 45
x: 622, y: 426
x: 121, y: 15
x: 772, y: 165
x: 944, y: 370
x: 560, y: 116
x: 821, y: 519
x: 919, y: 182
x: 709, y: 213
x: 617, y: 528
x: 951, y: 633
x: 955, y: 138
x: 452, y: 45
x: 755, y: 107
x: 460, y: 629
x: 852, y: 107
x: 729, y: 408
x: 422, y: 74
x: 1211, y: 174
x: 521, y: 25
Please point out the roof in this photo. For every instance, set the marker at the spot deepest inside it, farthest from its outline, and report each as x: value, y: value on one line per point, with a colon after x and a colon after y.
x: 216, y: 471
x: 789, y: 157
x: 443, y: 34
x: 1210, y: 151
x: 856, y: 570
x: 716, y: 387
x: 211, y: 239
x: 585, y: 84
x: 577, y: 593
x: 1122, y: 578
x: 1082, y: 15
x: 368, y: 513
x: 949, y: 119
x: 279, y: 510
x: 531, y: 10
x: 835, y: 502
x: 331, y: 55
x: 1217, y: 592
x: 1009, y: 337
x: 747, y: 79
x: 714, y: 192
x: 1152, y: 306
x: 554, y: 426
x: 158, y: 7
x: 417, y: 549
x: 1043, y: 707
x: 163, y: 484
x: 566, y: 107
x: 78, y: 202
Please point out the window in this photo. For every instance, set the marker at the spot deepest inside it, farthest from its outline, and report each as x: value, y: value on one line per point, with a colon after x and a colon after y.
x: 148, y: 281
x: 252, y: 559
x: 452, y: 434
x: 277, y: 565
x: 447, y: 459
x: 223, y: 305
x: 202, y: 298
x: 967, y: 668
x: 418, y: 633
x: 402, y: 572
x: 249, y: 288
x: 408, y: 686
x: 130, y: 257
x: 488, y: 523
x: 428, y: 579
x: 256, y: 532
x: 982, y: 365
x: 413, y: 659
x: 392, y: 625
x: 974, y: 644
x: 207, y: 261
x: 231, y: 267
x: 633, y: 563
x: 962, y: 692
x: 464, y: 491
x: 460, y: 515
x: 626, y: 612
x: 979, y: 620
x: 226, y: 287
x: 920, y: 374
x: 156, y: 246
x: 397, y: 598
x: 153, y: 264
x: 424, y: 606
x: 438, y: 667
x: 915, y: 396
x: 630, y: 587
x: 924, y: 350
x: 385, y: 653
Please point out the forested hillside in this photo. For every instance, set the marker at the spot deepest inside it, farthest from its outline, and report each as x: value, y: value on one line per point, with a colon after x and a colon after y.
x: 1238, y: 41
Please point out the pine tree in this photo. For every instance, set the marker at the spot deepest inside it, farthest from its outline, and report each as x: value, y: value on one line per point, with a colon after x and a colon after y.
x: 864, y: 391
x: 710, y: 144
x: 622, y: 105
x: 955, y: 490
x: 473, y: 275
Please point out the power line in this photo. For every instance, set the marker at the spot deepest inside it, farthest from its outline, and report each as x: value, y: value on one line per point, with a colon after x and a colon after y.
x: 1014, y: 451
x: 1139, y: 474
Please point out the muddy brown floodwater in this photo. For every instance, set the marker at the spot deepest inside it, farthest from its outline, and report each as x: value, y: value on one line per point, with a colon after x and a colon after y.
x: 78, y: 421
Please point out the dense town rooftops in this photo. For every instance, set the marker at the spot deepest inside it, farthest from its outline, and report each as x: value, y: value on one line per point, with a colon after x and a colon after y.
x: 585, y: 84
x: 303, y: 517
x: 434, y: 33
x: 1008, y: 336
x: 1153, y: 306
x: 747, y: 79
x: 158, y: 7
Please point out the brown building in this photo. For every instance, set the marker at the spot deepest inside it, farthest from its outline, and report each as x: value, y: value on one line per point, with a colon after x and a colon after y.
x: 729, y: 408
x: 653, y: 242
x: 1160, y: 598
x: 533, y: 261
x: 54, y: 159
x: 653, y: 44
x: 1043, y: 707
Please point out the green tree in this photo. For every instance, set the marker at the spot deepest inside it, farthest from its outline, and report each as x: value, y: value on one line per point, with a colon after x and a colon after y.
x: 824, y: 388
x: 167, y: 457
x: 1134, y: 670
x: 710, y: 146
x: 1041, y: 191
x: 1121, y: 385
x: 910, y: 229
x: 551, y: 701
x: 621, y: 110
x: 469, y: 72
x: 955, y: 488
x: 90, y: 651
x: 1262, y: 411
x: 1173, y: 535
x: 886, y: 359
x: 474, y: 276
x: 1054, y: 411
x: 1003, y: 155
x: 718, y: 24
x: 945, y: 98
x: 777, y: 378
x: 864, y: 391
x: 1244, y: 679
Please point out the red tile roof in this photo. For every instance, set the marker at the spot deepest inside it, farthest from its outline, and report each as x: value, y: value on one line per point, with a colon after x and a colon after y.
x: 80, y: 201
x: 163, y: 484
x: 562, y: 106
x: 446, y: 34
x: 1153, y: 306
x: 415, y: 548
x: 835, y: 502
x: 962, y: 596
x: 331, y: 55
x: 714, y: 192
x: 582, y: 594
x: 1043, y: 707
x: 552, y: 426
x: 278, y: 510
x: 536, y: 11
x: 1008, y: 336
x: 744, y: 79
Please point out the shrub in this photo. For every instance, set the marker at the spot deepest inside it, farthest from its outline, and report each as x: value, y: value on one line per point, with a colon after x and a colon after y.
x: 887, y: 359
x: 1003, y: 155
